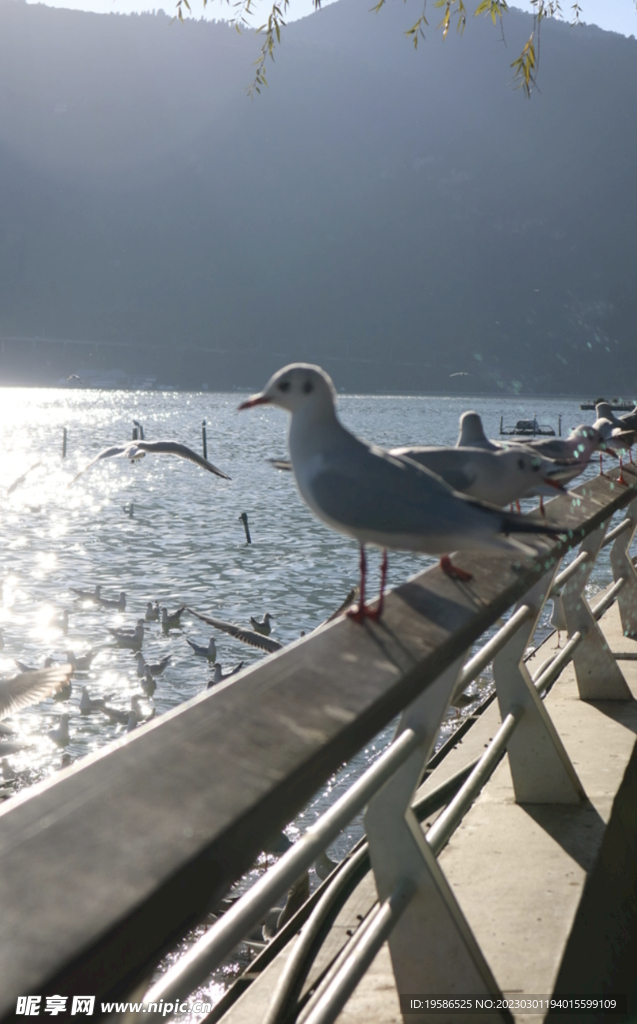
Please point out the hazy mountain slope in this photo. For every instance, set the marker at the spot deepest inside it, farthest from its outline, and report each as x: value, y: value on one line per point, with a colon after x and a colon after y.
x: 395, y: 215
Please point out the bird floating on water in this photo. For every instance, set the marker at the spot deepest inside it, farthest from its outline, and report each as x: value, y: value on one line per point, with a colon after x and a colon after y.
x: 81, y: 662
x: 89, y: 704
x: 172, y: 620
x: 117, y: 604
x: 156, y: 669
x: 61, y: 735
x: 262, y: 626
x: 152, y: 612
x: 148, y: 683
x: 362, y: 491
x: 209, y: 651
x: 88, y: 595
x: 219, y: 675
x: 132, y: 639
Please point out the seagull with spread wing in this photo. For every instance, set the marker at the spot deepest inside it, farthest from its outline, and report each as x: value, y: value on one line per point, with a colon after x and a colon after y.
x: 136, y: 450
x: 31, y: 687
x: 247, y: 636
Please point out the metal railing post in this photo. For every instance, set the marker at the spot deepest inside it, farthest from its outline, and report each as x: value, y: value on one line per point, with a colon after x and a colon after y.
x: 445, y: 958
x: 623, y: 568
x: 596, y: 670
x: 540, y: 767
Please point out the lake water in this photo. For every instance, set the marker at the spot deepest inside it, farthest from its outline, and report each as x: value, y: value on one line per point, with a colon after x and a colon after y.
x: 184, y: 542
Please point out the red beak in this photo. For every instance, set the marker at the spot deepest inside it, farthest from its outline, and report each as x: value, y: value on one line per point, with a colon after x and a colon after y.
x: 254, y: 400
x: 554, y: 483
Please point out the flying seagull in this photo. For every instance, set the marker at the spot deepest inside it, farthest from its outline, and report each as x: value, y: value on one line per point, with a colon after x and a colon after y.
x: 31, y: 687
x: 135, y: 450
x: 247, y: 636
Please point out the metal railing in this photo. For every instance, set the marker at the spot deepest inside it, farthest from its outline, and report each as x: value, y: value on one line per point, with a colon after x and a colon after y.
x: 514, y: 686
x: 416, y: 660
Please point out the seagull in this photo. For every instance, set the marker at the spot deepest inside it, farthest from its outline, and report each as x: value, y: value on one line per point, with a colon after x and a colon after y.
x: 133, y: 721
x: 135, y: 450
x: 152, y: 611
x: 209, y: 652
x: 61, y: 734
x: 115, y: 715
x: 171, y: 620
x: 497, y: 478
x: 366, y: 493
x: 130, y: 638
x: 118, y: 605
x: 31, y: 668
x: 88, y: 595
x: 31, y: 687
x: 247, y: 636
x: 472, y: 433
x: 148, y: 684
x: 156, y: 670
x: 82, y: 662
x: 220, y: 675
x: 21, y: 479
x: 89, y: 704
x: 61, y: 621
x: 263, y: 627
x: 135, y: 703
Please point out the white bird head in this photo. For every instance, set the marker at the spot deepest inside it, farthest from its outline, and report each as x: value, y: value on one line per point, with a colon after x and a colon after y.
x: 472, y: 433
x: 294, y: 387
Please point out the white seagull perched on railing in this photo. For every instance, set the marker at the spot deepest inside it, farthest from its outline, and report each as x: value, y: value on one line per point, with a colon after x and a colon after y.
x: 135, y: 450
x: 496, y: 477
x: 366, y: 493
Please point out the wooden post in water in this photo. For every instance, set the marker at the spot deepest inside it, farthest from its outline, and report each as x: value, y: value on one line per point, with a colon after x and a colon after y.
x: 559, y: 425
x: 135, y: 433
x: 244, y: 519
x: 204, y: 442
x: 63, y: 442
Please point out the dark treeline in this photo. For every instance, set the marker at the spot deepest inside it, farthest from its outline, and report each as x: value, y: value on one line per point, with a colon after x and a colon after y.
x: 397, y: 216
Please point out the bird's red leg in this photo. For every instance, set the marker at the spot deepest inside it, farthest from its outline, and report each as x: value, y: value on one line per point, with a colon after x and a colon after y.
x: 542, y: 509
x: 358, y: 614
x: 453, y: 571
x: 517, y: 505
x: 601, y: 465
x: 376, y: 614
x: 620, y: 478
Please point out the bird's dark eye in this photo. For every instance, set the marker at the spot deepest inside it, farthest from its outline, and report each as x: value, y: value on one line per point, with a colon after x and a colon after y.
x: 308, y: 386
x: 284, y: 385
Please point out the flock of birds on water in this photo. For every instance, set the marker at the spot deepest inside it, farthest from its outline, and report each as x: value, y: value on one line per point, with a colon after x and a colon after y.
x: 434, y: 500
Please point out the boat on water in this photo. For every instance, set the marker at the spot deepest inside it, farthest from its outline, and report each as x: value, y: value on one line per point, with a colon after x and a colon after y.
x: 531, y: 428
x: 618, y: 404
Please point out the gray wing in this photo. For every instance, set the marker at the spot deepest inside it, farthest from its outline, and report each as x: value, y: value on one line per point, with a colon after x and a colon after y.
x: 283, y: 464
x: 106, y: 453
x: 451, y: 466
x: 32, y: 687
x: 21, y: 479
x: 175, y: 448
x: 247, y: 636
x: 387, y: 495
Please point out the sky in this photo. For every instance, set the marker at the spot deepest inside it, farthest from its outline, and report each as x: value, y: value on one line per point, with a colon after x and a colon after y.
x: 613, y: 15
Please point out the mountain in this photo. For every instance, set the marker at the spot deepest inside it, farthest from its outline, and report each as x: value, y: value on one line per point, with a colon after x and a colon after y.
x: 395, y: 215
